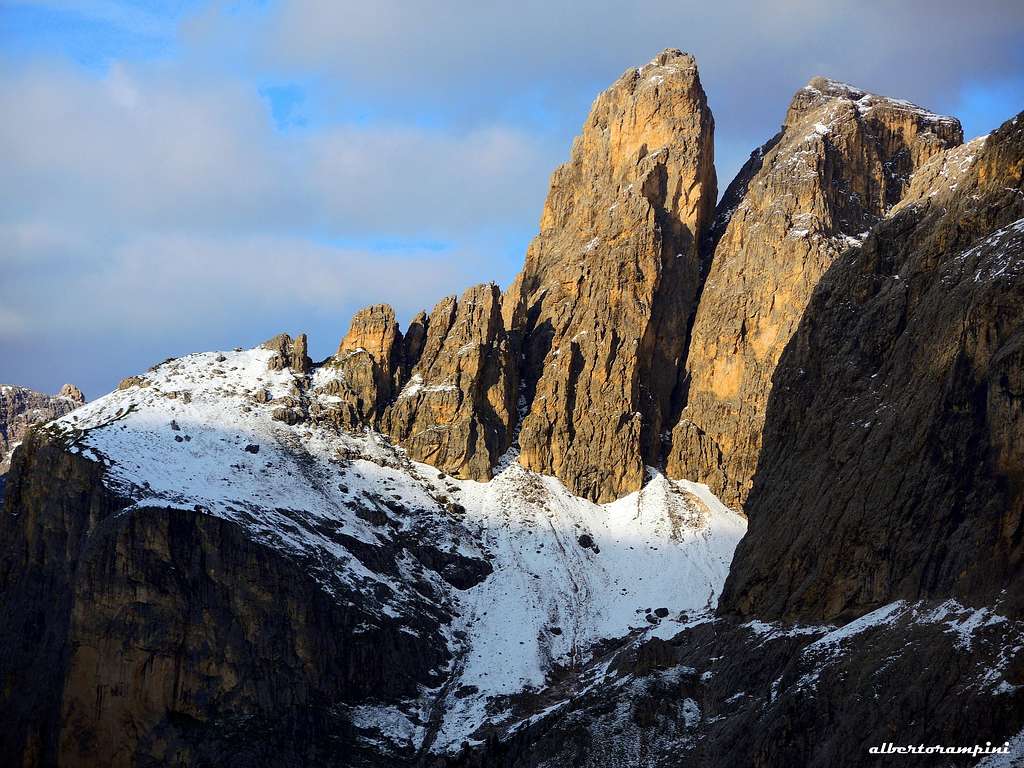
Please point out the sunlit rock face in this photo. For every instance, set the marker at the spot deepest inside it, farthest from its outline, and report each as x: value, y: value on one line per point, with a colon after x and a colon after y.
x: 842, y: 159
x: 457, y: 409
x: 605, y: 297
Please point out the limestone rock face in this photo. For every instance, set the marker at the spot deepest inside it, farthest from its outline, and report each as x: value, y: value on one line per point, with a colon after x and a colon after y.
x: 291, y: 353
x: 842, y: 160
x: 72, y: 393
x: 366, y: 365
x: 375, y: 331
x: 604, y: 299
x: 222, y: 649
x: 892, y: 463
x: 22, y: 408
x: 457, y: 410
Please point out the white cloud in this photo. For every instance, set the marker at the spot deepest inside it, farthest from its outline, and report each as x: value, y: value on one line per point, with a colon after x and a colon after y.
x: 152, y: 202
x: 411, y: 182
x: 155, y: 148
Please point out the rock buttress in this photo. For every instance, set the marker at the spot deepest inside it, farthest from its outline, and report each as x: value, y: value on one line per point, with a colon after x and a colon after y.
x: 604, y: 299
x: 842, y: 160
x: 892, y: 464
x: 457, y: 407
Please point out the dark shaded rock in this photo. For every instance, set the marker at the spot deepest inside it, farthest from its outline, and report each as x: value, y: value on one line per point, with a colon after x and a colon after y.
x: 892, y: 463
x: 215, y: 648
x: 459, y: 571
x: 723, y: 695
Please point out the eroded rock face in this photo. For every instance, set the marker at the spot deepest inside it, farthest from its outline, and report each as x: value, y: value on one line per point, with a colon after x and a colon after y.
x: 291, y: 353
x: 366, y: 365
x: 457, y: 410
x: 173, y: 636
x: 892, y: 463
x: 22, y: 408
x: 607, y: 291
x: 841, y: 161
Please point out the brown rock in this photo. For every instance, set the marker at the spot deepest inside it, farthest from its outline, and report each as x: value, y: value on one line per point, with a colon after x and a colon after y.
x: 290, y: 415
x: 290, y: 354
x: 457, y: 409
x: 132, y: 381
x: 373, y: 330
x: 22, y: 408
x: 892, y: 464
x: 842, y: 159
x: 72, y: 393
x: 609, y: 284
x: 366, y: 365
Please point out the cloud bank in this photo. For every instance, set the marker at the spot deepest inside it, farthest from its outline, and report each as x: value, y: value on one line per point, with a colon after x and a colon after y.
x: 258, y: 167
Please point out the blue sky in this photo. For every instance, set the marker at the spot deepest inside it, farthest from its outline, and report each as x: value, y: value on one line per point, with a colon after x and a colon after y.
x: 180, y: 176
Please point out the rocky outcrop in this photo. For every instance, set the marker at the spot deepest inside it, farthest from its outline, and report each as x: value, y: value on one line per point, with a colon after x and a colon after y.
x: 842, y: 160
x: 457, y: 409
x: 604, y: 299
x: 445, y: 390
x: 365, y: 368
x: 892, y: 464
x: 21, y: 409
x: 290, y: 353
x: 72, y: 393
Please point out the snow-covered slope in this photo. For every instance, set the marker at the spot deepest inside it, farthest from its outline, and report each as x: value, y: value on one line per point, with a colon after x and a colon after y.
x: 565, y: 574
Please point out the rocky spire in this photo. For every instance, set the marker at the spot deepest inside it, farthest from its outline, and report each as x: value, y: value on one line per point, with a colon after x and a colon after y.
x: 366, y: 365
x: 72, y: 393
x: 844, y: 157
x: 605, y: 296
x: 289, y: 353
x: 457, y: 409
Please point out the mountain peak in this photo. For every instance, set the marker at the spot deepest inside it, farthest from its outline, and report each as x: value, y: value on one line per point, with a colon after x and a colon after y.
x: 824, y: 91
x: 71, y: 392
x: 609, y: 283
x: 670, y: 58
